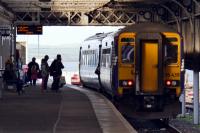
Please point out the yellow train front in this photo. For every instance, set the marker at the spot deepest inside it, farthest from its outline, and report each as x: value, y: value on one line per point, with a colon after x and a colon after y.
x: 150, y: 71
x: 141, y: 66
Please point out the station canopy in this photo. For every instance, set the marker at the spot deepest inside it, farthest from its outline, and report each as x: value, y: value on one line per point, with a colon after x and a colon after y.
x: 183, y: 15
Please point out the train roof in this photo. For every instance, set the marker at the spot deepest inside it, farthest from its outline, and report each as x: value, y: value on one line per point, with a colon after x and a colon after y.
x: 98, y: 36
x: 148, y: 27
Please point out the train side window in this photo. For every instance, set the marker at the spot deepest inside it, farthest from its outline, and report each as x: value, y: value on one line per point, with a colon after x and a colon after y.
x: 84, y: 62
x: 93, y: 60
x: 90, y: 55
x: 103, y: 61
x: 107, y: 60
x: 81, y: 60
x: 171, y: 53
x: 89, y: 59
x: 127, y: 54
x: 97, y: 58
x: 105, y: 57
x: 86, y: 59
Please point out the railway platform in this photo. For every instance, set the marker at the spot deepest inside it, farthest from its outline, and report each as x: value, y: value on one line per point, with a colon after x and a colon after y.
x: 72, y: 110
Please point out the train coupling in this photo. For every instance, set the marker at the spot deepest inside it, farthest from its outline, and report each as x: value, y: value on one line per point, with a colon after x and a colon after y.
x: 149, y: 102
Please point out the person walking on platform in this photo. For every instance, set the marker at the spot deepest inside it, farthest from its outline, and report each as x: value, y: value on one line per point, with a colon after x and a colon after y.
x: 56, y: 71
x: 33, y: 69
x: 45, y: 72
x: 9, y: 75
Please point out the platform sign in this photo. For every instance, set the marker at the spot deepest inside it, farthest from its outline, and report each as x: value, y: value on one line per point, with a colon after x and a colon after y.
x: 29, y: 29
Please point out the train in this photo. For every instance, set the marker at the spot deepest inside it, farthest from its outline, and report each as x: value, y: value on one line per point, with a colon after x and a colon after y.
x: 140, y: 66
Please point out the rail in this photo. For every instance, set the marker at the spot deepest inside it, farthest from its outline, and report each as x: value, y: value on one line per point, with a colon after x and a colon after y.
x: 152, y: 126
x: 173, y: 129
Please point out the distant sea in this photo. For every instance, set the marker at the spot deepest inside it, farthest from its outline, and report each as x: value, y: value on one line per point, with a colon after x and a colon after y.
x: 70, y: 57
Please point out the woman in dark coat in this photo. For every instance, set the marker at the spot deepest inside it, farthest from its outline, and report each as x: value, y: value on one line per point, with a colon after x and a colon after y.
x: 33, y: 68
x: 56, y: 71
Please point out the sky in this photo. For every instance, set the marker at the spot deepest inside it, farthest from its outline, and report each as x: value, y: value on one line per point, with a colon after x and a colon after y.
x: 64, y: 40
x: 64, y: 36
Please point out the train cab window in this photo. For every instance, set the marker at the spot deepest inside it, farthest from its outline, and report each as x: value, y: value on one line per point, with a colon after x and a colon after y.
x: 171, y: 53
x: 127, y: 54
x: 127, y: 40
x: 172, y: 39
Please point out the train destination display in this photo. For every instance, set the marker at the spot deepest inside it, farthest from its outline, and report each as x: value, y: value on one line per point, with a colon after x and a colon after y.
x: 29, y: 29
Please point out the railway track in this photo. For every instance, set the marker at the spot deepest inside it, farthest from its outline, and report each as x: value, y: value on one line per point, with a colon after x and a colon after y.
x: 172, y: 129
x: 152, y: 126
x: 149, y: 126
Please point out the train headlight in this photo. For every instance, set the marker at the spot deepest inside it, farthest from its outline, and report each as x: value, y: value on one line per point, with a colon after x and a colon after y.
x: 172, y: 83
x: 124, y: 83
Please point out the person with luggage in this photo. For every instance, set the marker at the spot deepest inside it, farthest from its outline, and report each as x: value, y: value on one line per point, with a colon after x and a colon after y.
x: 12, y: 77
x: 33, y: 69
x: 56, y: 71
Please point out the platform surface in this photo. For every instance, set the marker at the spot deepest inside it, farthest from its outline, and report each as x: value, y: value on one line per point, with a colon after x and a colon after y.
x: 73, y: 110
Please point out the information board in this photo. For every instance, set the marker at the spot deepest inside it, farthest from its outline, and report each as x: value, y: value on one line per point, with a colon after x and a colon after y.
x: 29, y: 29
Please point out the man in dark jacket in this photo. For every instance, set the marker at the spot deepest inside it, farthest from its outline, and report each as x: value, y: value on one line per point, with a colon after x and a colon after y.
x: 56, y: 71
x: 33, y: 68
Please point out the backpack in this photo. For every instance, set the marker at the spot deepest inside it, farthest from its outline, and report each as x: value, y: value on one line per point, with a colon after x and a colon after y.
x: 34, y: 69
x: 52, y: 68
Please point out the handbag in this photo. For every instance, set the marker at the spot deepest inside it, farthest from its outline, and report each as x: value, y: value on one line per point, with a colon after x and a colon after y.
x: 62, y: 81
x: 39, y: 75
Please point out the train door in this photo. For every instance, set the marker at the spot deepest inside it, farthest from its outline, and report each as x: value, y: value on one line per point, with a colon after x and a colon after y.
x: 149, y: 64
